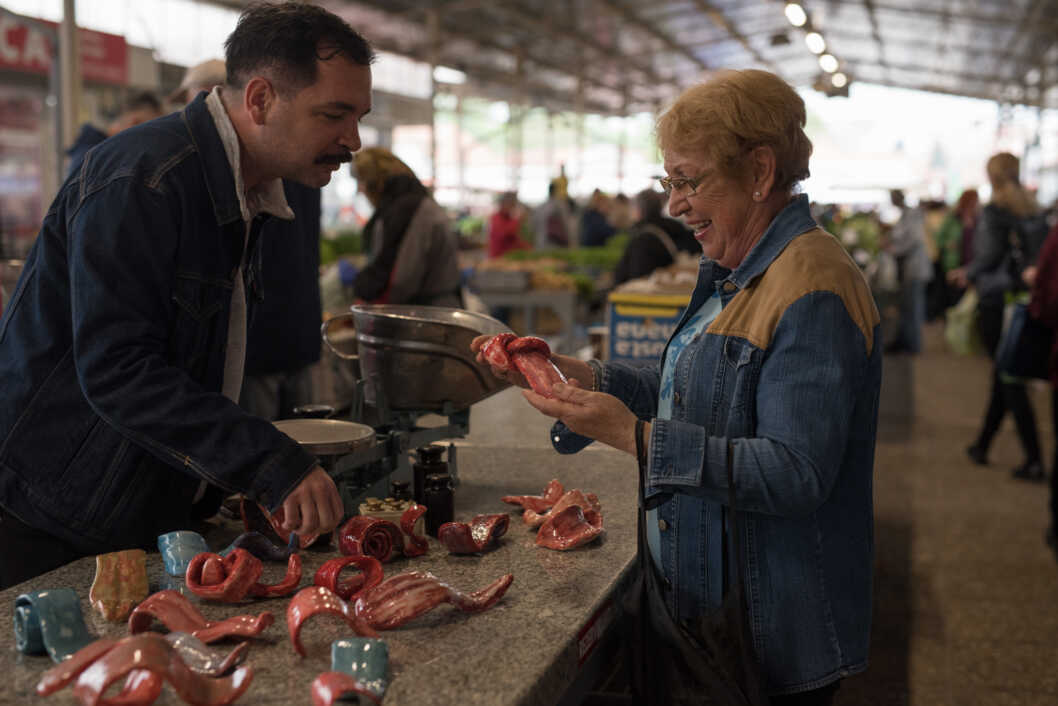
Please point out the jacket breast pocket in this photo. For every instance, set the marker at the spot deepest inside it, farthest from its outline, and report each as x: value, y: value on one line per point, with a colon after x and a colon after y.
x: 201, y: 321
x: 742, y: 363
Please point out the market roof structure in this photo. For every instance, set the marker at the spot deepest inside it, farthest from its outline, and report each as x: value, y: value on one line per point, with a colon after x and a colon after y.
x: 622, y: 56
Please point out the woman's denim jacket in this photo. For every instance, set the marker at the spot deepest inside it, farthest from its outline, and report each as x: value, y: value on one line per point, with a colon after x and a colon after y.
x: 789, y: 374
x: 112, y: 346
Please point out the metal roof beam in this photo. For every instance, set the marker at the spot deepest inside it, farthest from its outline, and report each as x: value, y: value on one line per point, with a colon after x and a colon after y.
x: 546, y: 27
x: 635, y: 20
x: 914, y: 68
x: 919, y: 11
x: 720, y: 20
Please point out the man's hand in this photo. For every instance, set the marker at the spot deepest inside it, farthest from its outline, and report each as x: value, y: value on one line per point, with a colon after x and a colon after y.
x: 596, y: 415
x: 314, y: 506
x: 958, y: 277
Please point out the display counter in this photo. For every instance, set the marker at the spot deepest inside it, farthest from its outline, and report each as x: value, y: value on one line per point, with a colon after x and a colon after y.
x: 536, y: 646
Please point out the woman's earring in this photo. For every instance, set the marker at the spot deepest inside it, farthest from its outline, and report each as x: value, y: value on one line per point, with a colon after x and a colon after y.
x: 756, y: 195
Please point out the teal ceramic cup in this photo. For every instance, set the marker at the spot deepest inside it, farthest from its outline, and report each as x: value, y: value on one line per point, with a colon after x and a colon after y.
x: 365, y: 659
x: 50, y: 622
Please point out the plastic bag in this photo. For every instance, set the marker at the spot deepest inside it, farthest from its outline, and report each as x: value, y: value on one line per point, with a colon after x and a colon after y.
x: 960, y: 328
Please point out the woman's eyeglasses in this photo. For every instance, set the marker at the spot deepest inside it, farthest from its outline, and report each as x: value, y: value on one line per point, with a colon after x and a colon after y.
x: 679, y: 184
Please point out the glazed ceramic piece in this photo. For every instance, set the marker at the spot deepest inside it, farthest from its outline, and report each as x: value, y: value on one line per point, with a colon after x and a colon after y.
x: 145, y: 660
x: 50, y: 621
x: 330, y: 687
x: 178, y: 614
x: 405, y: 597
x: 234, y: 577
x: 475, y: 536
x: 370, y: 536
x: 120, y: 583
x: 365, y: 659
x: 205, y: 660
x: 416, y: 544
x: 261, y: 547
x: 257, y: 519
x: 327, y: 575
x: 179, y: 548
x: 313, y: 601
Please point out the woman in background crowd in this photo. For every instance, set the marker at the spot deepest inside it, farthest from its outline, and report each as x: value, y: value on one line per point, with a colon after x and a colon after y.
x: 411, y: 247
x: 1004, y: 245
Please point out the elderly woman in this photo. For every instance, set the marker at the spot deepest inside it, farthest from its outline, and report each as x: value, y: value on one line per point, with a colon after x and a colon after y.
x: 773, y: 372
x: 411, y: 247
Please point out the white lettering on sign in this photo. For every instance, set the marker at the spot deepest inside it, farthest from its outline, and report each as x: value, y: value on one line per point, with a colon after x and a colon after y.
x: 593, y: 631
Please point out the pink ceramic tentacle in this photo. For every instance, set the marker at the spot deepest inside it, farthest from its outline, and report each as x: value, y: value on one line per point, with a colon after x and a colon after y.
x: 176, y: 612
x: 417, y: 544
x: 312, y: 601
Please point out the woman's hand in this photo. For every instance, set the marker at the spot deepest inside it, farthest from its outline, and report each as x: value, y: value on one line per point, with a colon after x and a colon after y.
x: 1029, y: 275
x: 958, y: 278
x: 511, y: 375
x: 596, y: 415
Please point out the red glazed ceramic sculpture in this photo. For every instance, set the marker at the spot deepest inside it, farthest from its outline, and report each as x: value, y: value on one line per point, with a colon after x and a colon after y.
x: 145, y: 661
x: 474, y: 536
x: 176, y: 612
x: 234, y: 577
x: 327, y: 575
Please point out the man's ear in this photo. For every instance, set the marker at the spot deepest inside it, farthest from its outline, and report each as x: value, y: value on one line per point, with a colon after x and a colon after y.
x: 258, y: 99
x: 762, y: 161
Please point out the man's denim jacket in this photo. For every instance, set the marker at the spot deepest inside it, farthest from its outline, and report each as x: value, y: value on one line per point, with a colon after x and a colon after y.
x: 112, y: 346
x: 789, y: 372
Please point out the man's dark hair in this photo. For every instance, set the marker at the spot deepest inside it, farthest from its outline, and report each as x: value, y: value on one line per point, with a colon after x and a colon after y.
x: 285, y: 40
x: 141, y: 100
x: 649, y: 203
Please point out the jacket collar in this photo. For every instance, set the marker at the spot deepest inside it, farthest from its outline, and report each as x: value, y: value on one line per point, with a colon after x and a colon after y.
x: 220, y: 181
x: 794, y: 219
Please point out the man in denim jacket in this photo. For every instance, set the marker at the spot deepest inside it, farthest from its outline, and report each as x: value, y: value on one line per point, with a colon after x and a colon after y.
x: 122, y: 348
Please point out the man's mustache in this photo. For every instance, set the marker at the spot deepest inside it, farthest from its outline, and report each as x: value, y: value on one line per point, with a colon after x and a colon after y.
x: 336, y: 158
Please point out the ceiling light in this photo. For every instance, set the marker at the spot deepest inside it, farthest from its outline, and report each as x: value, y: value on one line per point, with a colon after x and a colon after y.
x: 815, y: 42
x: 1032, y: 76
x: 445, y: 74
x: 796, y: 14
x: 839, y: 80
x: 828, y: 63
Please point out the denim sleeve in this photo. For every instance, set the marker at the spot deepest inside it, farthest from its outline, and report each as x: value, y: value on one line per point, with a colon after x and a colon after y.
x: 636, y: 386
x: 122, y: 253
x: 810, y: 379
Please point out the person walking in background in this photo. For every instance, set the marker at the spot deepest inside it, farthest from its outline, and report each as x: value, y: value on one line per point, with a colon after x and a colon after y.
x: 139, y: 108
x: 954, y: 239
x: 907, y: 243
x: 1005, y: 243
x: 1042, y: 278
x: 412, y: 249
x: 595, y: 227
x: 551, y: 220
x: 505, y: 226
x: 656, y: 240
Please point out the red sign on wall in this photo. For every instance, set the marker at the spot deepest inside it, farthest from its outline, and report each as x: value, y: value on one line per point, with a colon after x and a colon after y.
x: 25, y: 46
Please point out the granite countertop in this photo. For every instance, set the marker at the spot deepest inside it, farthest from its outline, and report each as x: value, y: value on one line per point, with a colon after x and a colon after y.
x: 525, y: 650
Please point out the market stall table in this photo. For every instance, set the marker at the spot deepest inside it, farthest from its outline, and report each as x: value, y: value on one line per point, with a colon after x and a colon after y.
x: 529, y: 649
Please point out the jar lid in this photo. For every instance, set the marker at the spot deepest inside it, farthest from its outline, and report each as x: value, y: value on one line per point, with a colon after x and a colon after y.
x: 435, y: 479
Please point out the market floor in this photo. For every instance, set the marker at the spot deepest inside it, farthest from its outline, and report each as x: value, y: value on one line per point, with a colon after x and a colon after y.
x: 966, y: 592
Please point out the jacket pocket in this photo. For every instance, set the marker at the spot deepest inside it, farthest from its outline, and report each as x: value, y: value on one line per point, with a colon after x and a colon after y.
x: 742, y: 363
x: 200, y: 324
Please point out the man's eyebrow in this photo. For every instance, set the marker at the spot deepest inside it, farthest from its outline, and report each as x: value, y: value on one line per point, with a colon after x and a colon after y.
x: 337, y: 105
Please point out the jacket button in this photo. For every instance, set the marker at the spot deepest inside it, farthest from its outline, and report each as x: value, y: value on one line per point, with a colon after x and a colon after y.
x: 730, y: 286
x: 662, y: 525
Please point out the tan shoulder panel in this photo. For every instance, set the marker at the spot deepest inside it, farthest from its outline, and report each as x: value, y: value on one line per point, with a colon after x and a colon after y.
x: 812, y: 262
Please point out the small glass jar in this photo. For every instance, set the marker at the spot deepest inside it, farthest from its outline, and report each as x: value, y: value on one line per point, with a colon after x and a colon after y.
x: 429, y: 461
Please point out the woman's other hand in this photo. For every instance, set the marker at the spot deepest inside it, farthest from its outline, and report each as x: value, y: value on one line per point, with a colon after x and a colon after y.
x: 596, y: 415
x: 510, y: 375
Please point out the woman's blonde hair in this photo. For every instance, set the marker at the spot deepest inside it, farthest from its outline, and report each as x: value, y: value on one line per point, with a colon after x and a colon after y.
x: 372, y: 166
x: 1007, y: 192
x: 733, y: 112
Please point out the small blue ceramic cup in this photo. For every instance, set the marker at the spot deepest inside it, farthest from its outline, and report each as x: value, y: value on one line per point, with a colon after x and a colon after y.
x: 179, y: 548
x: 50, y: 622
x: 365, y: 659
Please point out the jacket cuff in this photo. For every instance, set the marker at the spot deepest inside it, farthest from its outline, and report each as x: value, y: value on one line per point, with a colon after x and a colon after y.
x: 287, y: 468
x: 566, y: 441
